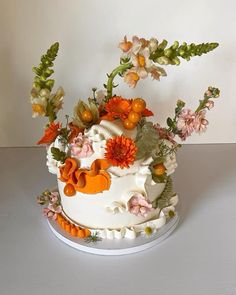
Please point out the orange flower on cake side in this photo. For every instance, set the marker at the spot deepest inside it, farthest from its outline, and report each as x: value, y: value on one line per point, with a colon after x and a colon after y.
x: 118, y: 107
x: 121, y: 151
x: 50, y: 134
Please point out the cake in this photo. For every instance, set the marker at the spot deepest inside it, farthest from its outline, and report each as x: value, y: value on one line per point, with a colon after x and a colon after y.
x: 113, y: 165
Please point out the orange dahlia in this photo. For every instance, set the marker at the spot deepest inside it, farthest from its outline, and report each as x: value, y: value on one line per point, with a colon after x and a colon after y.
x: 118, y: 107
x: 120, y: 151
x: 50, y: 133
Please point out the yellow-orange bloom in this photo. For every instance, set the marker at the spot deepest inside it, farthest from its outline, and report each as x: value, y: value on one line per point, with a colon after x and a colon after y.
x: 125, y: 45
x: 118, y: 107
x: 131, y: 78
x: 121, y: 151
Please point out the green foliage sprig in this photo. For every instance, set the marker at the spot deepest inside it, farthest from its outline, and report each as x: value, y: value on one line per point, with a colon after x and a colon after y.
x: 58, y: 155
x: 171, y: 55
x: 93, y: 238
x: 44, y: 71
x: 172, y: 123
x: 164, y: 199
x: 212, y: 92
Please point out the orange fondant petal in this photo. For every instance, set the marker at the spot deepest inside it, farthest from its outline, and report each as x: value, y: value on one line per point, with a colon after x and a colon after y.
x: 100, y: 164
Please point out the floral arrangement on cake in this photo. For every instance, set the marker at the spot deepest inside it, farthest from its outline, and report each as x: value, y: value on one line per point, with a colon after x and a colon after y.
x: 110, y: 137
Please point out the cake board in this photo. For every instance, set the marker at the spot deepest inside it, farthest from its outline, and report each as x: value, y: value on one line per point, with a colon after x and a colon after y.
x: 114, y: 247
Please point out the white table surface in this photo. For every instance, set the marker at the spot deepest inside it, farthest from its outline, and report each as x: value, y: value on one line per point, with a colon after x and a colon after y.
x: 199, y: 258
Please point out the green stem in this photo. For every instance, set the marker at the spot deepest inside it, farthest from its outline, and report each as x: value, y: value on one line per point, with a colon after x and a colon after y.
x: 119, y: 70
x: 202, y: 104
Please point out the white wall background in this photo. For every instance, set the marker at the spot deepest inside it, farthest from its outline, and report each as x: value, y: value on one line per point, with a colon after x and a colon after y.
x: 89, y: 31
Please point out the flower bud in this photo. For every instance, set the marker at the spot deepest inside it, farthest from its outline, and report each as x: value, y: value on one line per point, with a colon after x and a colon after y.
x: 209, y: 104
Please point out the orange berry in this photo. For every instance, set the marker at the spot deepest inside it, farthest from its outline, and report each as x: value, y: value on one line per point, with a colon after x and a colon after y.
x: 87, y: 116
x: 134, y: 117
x: 138, y: 105
x: 87, y: 232
x: 81, y: 233
x: 128, y: 124
x: 159, y: 169
x: 69, y: 190
x: 68, y: 227
x: 73, y: 231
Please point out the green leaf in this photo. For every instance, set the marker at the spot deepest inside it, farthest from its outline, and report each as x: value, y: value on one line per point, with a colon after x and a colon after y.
x: 146, y: 139
x: 163, y: 200
x: 171, y: 55
x: 43, y: 71
x: 169, y: 122
x: 58, y: 155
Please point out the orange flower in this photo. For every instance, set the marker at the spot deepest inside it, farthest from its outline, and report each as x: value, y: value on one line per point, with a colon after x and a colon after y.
x: 125, y: 45
x: 121, y: 151
x: 131, y: 77
x: 118, y: 107
x: 50, y: 133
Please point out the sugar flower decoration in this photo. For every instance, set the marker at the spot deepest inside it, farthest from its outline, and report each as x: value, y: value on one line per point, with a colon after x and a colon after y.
x: 118, y: 107
x: 186, y: 123
x: 201, y: 122
x: 39, y: 99
x: 120, y: 151
x: 131, y: 78
x: 81, y: 146
x: 139, y: 206
x: 50, y: 133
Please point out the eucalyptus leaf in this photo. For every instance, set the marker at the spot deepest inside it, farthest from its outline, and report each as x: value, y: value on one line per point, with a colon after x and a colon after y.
x: 146, y: 139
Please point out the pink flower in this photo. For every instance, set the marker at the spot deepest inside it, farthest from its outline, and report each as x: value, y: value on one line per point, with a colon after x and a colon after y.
x: 209, y: 104
x: 165, y: 134
x: 139, y: 206
x: 54, y: 197
x: 55, y: 208
x: 201, y: 122
x: 186, y: 123
x: 49, y: 214
x: 81, y: 147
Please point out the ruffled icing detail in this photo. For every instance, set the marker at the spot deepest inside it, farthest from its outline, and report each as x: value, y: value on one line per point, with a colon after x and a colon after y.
x: 134, y: 231
x: 99, y: 134
x: 112, y: 234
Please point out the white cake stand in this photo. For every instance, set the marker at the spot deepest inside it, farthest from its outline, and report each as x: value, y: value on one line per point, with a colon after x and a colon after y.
x: 116, y: 247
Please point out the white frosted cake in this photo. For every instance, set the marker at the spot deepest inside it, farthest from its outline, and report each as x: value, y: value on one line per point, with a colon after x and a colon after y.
x: 113, y: 165
x: 112, y: 208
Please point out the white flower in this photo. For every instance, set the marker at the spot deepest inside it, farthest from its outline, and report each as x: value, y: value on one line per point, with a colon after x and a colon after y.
x: 100, y: 95
x: 39, y: 105
x: 169, y: 212
x: 153, y: 44
x: 57, y: 99
x: 141, y: 62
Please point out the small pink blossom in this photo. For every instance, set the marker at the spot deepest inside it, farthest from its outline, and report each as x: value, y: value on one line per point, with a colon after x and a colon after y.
x: 186, y: 123
x: 208, y: 93
x: 81, y: 147
x: 209, y: 104
x: 54, y: 197
x: 49, y: 214
x: 201, y: 122
x: 139, y: 206
x: 55, y: 208
x: 165, y: 134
